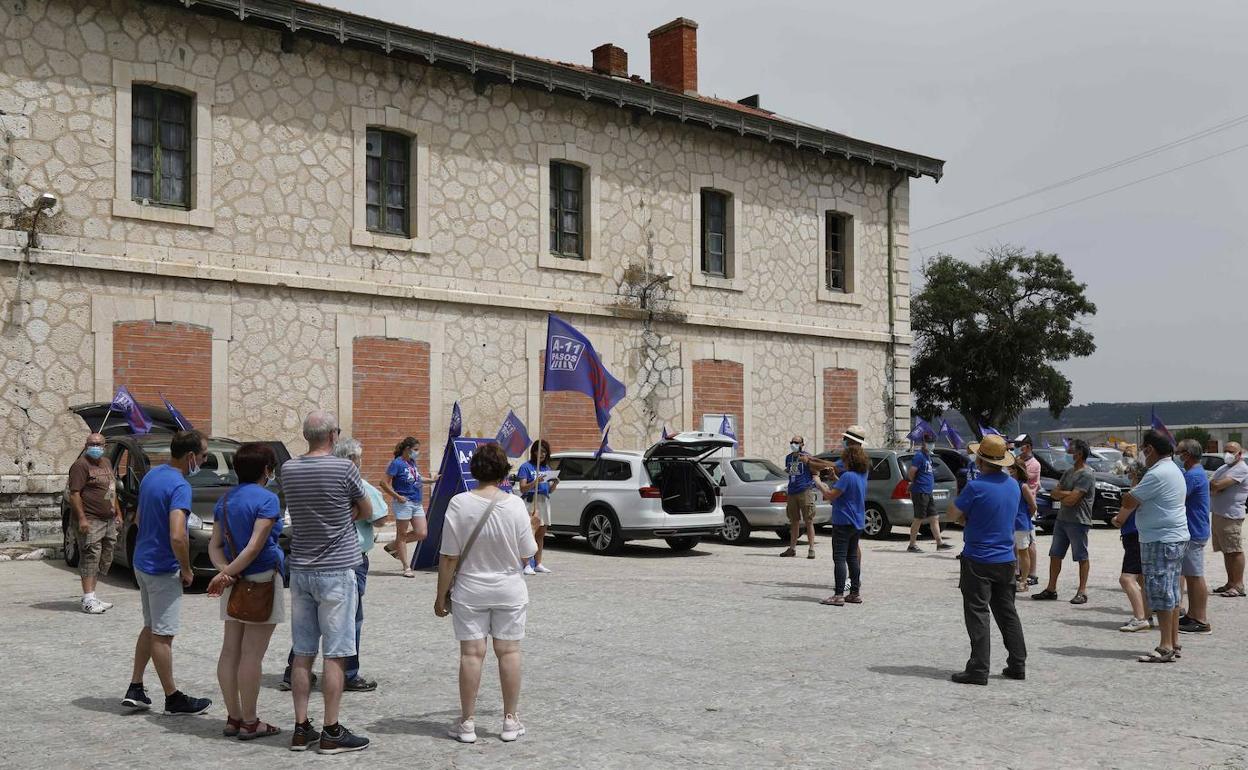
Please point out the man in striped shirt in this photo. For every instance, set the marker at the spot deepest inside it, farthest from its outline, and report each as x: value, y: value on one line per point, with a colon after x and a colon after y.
x: 325, y: 496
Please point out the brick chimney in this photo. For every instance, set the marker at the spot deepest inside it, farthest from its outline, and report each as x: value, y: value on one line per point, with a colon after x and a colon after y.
x: 610, y: 59
x: 674, y: 56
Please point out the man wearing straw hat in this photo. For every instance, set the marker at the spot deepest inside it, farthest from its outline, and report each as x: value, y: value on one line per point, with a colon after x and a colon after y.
x: 986, y: 509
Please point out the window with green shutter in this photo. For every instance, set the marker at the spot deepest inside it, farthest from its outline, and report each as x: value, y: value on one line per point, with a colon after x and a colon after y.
x: 567, y: 220
x: 387, y: 182
x: 160, y: 146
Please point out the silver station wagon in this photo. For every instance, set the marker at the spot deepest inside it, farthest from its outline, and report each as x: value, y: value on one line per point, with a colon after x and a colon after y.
x: 753, y: 494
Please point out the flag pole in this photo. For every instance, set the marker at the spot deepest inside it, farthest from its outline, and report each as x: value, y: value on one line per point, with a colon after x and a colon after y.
x: 104, y: 422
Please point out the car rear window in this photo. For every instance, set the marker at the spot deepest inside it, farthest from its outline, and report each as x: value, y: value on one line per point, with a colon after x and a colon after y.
x: 757, y: 470
x: 573, y: 468
x: 616, y: 470
x: 940, y: 471
x: 881, y: 469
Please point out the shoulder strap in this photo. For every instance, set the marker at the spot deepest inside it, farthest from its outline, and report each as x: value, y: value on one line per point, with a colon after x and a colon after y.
x: 463, y: 553
x: 225, y: 525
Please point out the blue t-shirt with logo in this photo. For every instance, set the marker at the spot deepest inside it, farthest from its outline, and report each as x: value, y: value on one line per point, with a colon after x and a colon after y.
x: 990, y: 503
x: 528, y: 472
x: 924, y: 480
x: 1197, y: 503
x: 850, y: 508
x: 163, y: 489
x: 239, y: 509
x: 1022, y: 520
x: 800, y: 478
x: 405, y: 478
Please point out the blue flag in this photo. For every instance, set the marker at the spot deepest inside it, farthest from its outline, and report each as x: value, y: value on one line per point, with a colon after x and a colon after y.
x: 725, y: 429
x: 667, y: 434
x: 605, y: 446
x: 512, y: 436
x: 573, y: 364
x: 1161, y: 428
x: 1066, y: 443
x: 125, y: 404
x: 178, y: 417
x: 457, y: 422
x: 955, y: 439
x: 989, y: 431
x: 1047, y: 445
x: 921, y: 431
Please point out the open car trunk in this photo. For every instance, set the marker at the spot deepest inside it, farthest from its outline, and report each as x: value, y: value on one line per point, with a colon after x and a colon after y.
x: 683, y: 485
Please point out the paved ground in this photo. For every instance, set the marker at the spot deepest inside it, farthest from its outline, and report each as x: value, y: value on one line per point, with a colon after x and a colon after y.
x: 717, y: 657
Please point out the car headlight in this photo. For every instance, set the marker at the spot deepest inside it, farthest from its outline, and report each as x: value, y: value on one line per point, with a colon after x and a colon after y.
x: 194, y: 522
x: 286, y: 518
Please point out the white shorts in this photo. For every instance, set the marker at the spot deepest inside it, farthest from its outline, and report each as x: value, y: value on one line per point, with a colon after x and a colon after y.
x: 278, y: 614
x: 543, y: 509
x: 503, y: 623
x: 1024, y: 538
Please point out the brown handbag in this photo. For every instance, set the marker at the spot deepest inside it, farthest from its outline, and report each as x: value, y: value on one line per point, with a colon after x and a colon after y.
x: 250, y: 602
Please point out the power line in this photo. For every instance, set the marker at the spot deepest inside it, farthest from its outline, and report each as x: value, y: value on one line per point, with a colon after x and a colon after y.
x: 1225, y: 125
x: 1088, y: 197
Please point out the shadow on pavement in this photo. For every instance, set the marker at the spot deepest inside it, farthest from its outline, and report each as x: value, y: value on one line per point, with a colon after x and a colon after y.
x: 632, y: 549
x: 1088, y: 652
x: 918, y: 672
x: 69, y: 605
x: 422, y: 724
x: 117, y: 577
x: 1107, y: 625
x: 106, y: 706
x: 782, y: 584
x: 796, y: 598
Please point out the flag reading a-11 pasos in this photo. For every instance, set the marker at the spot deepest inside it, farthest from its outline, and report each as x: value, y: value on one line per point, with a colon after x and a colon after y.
x: 512, y: 436
x: 178, y: 418
x: 1161, y: 428
x: 124, y: 404
x: 955, y: 438
x: 573, y: 364
x: 921, y: 430
x: 725, y: 429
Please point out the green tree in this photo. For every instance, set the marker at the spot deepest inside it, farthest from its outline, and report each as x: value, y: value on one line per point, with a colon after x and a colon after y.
x: 988, y: 335
x: 1196, y: 432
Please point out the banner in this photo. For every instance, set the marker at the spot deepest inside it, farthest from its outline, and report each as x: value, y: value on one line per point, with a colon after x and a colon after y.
x: 573, y: 364
x: 178, y: 418
x: 453, y: 478
x: 512, y: 436
x: 125, y: 405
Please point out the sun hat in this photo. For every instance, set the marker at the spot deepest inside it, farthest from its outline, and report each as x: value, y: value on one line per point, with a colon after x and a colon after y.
x: 992, y: 451
x: 855, y: 433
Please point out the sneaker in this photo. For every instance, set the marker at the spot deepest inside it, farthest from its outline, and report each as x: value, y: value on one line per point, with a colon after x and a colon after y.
x: 339, y: 740
x: 136, y: 698
x: 853, y: 598
x: 359, y: 684
x: 1033, y: 580
x: 528, y: 569
x: 789, y: 552
x: 512, y: 729
x: 810, y: 554
x: 94, y: 607
x: 542, y: 569
x: 304, y: 737
x: 464, y: 732
x: 1135, y: 624
x: 104, y: 604
x: 1193, y: 626
x: 962, y: 677
x: 181, y: 704
x: 285, y: 686
x: 914, y: 549
x: 944, y: 547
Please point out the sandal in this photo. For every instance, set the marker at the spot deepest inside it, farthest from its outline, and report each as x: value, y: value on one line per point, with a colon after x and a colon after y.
x: 1221, y: 588
x: 1079, y: 599
x: 1021, y: 587
x: 1159, y: 655
x: 1178, y: 651
x: 1231, y: 593
x: 257, y: 729
x: 231, y: 727
x: 1045, y: 595
x: 834, y: 601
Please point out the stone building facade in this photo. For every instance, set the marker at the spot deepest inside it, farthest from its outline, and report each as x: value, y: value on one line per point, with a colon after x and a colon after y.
x: 268, y: 294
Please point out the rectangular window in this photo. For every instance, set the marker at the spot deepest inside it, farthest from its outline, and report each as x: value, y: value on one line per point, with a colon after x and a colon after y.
x: 567, y: 238
x: 386, y: 182
x: 715, y: 233
x: 160, y: 147
x: 834, y: 251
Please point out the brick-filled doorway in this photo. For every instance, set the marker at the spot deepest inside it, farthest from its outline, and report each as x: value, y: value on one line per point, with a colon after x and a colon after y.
x: 390, y: 400
x: 840, y: 404
x: 569, y: 422
x: 151, y: 358
x: 719, y: 388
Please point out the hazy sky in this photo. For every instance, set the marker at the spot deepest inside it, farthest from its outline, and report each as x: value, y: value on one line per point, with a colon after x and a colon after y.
x: 1013, y: 96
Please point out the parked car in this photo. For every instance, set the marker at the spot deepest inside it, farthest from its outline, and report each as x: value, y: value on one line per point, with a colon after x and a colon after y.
x: 663, y: 493
x: 1110, y: 487
x: 957, y: 462
x: 754, y: 495
x: 888, y: 491
x: 133, y: 456
x: 1211, y: 462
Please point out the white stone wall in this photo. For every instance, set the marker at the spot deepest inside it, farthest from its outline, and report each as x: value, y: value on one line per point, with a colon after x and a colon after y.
x: 273, y: 237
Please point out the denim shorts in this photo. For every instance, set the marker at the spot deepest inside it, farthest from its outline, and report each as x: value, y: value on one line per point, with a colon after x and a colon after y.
x: 1194, y: 559
x: 1163, y: 562
x: 322, y: 612
x: 407, y: 510
x: 1072, y: 535
x: 161, y: 597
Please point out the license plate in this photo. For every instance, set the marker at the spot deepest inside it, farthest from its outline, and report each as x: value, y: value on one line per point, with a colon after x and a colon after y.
x: 940, y: 496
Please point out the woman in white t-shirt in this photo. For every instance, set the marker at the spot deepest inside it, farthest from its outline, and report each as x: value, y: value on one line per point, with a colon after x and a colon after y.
x: 489, y: 596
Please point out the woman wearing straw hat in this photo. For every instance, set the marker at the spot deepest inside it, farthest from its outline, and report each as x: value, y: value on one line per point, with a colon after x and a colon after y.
x: 986, y: 508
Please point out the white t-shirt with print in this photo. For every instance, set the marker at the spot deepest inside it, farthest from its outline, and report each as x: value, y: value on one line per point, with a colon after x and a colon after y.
x: 491, y: 575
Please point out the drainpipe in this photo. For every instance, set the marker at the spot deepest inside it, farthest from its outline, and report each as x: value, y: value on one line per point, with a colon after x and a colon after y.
x: 890, y: 370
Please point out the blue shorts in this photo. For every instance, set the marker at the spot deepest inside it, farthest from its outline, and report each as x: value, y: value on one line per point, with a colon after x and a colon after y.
x: 1072, y: 535
x: 1194, y: 559
x: 322, y: 612
x: 407, y: 510
x: 1163, y: 563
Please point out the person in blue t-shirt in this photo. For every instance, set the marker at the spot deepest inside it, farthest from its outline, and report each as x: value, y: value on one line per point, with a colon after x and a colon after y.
x: 922, y: 484
x: 802, y: 492
x: 987, y: 508
x: 1024, y: 527
x: 1131, y: 578
x: 849, y: 517
x: 535, y: 490
x: 162, y: 567
x: 1195, y: 620
x: 247, y: 521
x: 404, y: 484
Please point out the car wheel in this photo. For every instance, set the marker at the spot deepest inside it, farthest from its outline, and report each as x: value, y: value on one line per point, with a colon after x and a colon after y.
x: 736, y: 528
x: 679, y: 544
x: 69, y: 541
x: 603, y: 532
x: 877, y: 523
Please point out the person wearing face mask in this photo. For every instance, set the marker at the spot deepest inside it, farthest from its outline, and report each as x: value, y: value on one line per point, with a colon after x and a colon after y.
x: 404, y: 484
x: 922, y: 483
x: 1032, y: 466
x: 97, y: 517
x: 1228, y: 490
x: 535, y: 491
x: 802, y: 467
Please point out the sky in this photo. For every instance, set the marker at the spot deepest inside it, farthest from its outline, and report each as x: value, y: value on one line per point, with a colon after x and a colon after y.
x: 1014, y: 97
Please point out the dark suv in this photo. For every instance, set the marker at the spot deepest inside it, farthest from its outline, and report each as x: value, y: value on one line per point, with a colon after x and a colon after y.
x: 1110, y: 487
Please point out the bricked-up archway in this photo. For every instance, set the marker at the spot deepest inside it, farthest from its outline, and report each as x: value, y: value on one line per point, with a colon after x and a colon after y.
x: 151, y: 358
x: 840, y: 404
x: 390, y: 400
x: 568, y: 420
x: 719, y: 388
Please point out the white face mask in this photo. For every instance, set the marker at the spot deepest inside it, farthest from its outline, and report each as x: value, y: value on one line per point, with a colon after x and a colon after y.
x: 794, y: 446
x: 1229, y: 458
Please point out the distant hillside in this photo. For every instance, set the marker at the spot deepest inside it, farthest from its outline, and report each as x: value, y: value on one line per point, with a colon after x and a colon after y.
x: 1106, y: 415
